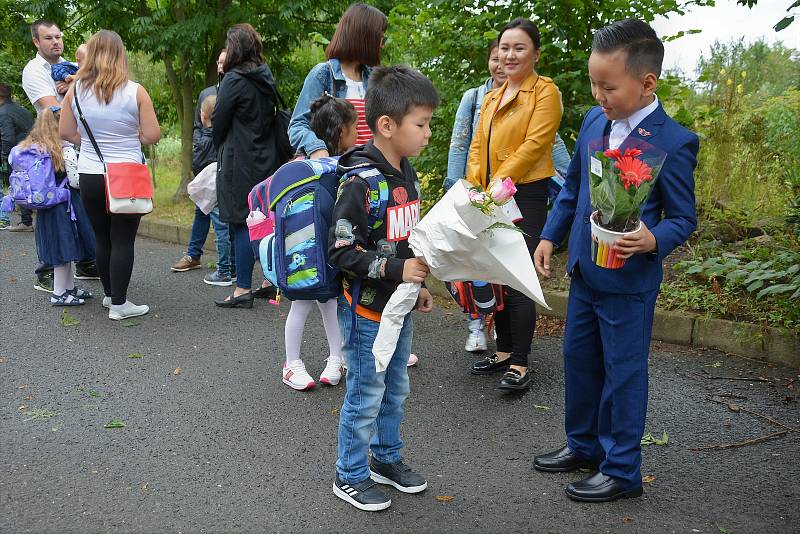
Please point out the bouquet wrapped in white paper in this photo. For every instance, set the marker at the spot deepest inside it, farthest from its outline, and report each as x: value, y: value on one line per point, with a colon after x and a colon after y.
x: 468, y: 235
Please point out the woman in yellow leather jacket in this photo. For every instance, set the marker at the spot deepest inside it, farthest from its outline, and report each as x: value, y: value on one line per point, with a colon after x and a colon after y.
x: 514, y: 138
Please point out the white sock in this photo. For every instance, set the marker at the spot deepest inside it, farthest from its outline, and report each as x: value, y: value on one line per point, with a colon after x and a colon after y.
x: 63, y: 279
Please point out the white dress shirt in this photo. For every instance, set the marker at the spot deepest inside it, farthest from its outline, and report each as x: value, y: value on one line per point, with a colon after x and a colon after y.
x: 621, y: 129
x: 38, y: 82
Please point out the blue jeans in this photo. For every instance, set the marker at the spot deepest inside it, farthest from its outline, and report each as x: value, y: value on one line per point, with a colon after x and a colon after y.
x: 200, y: 227
x: 373, y: 403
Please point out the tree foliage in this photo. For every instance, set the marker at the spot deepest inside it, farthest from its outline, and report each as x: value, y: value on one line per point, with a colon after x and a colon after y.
x: 447, y: 40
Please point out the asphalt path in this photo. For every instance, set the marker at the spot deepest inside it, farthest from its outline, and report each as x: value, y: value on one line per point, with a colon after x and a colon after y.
x: 214, y: 442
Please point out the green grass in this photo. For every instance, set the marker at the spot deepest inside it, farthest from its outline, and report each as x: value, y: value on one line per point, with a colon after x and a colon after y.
x: 164, y: 207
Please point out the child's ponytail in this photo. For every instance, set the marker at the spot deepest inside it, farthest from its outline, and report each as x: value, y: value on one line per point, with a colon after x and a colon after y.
x: 329, y: 116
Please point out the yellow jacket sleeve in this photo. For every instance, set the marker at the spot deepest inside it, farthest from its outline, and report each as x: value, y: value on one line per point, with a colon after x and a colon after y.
x: 538, y: 143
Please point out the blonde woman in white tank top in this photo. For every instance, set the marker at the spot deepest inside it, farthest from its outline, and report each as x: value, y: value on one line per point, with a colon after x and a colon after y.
x: 121, y: 116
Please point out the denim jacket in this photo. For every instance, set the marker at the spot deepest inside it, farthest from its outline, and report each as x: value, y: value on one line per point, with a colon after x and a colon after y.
x: 463, y: 131
x: 466, y: 121
x: 317, y: 82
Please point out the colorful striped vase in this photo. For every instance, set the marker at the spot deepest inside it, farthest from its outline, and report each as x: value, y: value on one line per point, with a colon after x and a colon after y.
x: 603, y: 240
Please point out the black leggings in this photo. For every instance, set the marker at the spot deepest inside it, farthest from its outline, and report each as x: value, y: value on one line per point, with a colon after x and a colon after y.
x: 115, y: 235
x: 516, y: 323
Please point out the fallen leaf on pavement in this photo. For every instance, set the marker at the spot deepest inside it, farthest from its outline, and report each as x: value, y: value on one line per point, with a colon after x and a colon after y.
x: 115, y: 423
x: 648, y: 479
x: 23, y: 386
x: 177, y: 371
x: 627, y: 520
x: 129, y: 322
x: 68, y: 320
x: 335, y: 412
x: 29, y: 397
x: 135, y: 355
x: 650, y: 439
x: 444, y: 498
x: 540, y: 407
x: 733, y: 407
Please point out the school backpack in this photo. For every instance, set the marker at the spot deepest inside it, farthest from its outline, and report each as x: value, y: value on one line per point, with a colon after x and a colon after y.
x: 302, y: 194
x: 260, y: 221
x: 32, y: 183
x: 477, y: 298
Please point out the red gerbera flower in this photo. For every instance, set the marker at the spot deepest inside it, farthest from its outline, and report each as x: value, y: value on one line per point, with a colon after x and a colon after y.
x: 631, y: 170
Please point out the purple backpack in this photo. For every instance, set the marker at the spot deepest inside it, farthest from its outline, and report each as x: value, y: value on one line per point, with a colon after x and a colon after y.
x: 32, y: 183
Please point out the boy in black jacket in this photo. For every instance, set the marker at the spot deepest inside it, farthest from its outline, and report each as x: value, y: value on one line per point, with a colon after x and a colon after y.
x: 374, y: 261
x: 203, y: 154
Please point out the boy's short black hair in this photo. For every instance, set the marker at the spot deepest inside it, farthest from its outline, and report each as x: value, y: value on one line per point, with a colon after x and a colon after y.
x: 394, y: 90
x: 636, y: 37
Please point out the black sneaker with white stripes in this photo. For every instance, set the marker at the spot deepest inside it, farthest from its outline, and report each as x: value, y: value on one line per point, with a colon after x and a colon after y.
x: 398, y: 475
x: 364, y: 495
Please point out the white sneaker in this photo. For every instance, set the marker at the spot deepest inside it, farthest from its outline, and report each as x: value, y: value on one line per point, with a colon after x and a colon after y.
x: 127, y: 310
x: 413, y: 359
x: 296, y: 377
x: 476, y: 342
x: 333, y: 371
x: 106, y: 302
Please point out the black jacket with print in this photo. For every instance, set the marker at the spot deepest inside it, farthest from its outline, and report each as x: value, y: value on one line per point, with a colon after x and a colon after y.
x: 376, y: 256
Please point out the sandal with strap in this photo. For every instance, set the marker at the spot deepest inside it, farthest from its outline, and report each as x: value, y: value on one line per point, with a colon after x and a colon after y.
x: 79, y: 293
x: 65, y: 299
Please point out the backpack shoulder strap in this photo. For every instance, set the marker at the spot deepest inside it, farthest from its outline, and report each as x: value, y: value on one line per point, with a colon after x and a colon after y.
x: 378, y: 194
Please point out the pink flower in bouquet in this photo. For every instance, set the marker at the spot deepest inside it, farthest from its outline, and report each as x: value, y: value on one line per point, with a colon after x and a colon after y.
x: 501, y: 191
x: 477, y: 196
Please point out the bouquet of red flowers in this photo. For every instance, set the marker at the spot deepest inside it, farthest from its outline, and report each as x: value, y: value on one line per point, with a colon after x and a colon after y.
x: 620, y: 183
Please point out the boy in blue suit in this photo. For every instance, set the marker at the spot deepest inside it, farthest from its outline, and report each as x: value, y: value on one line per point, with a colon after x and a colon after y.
x: 610, y: 311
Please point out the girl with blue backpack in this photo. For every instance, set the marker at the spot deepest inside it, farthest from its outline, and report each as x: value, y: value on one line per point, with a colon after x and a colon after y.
x: 63, y: 231
x: 334, y: 121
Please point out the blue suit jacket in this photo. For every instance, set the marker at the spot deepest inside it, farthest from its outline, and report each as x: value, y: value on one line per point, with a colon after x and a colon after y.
x: 669, y: 212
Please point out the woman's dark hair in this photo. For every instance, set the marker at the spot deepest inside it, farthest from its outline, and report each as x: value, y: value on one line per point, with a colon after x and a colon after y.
x: 359, y: 35
x: 329, y: 116
x: 492, y: 45
x: 525, y: 25
x: 645, y: 50
x: 244, y: 48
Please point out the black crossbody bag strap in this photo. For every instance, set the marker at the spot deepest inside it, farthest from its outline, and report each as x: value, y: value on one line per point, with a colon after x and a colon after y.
x: 86, y: 127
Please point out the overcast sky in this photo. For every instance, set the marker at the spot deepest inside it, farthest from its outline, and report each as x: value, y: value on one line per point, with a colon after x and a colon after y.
x: 725, y: 21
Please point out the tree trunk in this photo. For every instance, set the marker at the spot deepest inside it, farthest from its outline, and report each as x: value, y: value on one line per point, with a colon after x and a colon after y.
x: 187, y: 125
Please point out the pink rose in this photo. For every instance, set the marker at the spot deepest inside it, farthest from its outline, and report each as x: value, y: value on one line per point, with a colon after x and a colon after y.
x: 501, y: 191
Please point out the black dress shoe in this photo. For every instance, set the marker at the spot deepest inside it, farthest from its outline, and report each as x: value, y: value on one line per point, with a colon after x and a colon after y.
x: 245, y: 300
x: 489, y: 365
x: 269, y: 292
x: 601, y: 488
x: 561, y: 461
x: 513, y: 380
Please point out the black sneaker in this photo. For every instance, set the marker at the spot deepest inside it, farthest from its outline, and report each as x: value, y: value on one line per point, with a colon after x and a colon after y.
x: 365, y: 495
x: 86, y: 271
x: 45, y: 283
x: 398, y: 475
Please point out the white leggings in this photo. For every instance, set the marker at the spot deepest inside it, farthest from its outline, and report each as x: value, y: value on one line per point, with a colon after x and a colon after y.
x: 296, y: 322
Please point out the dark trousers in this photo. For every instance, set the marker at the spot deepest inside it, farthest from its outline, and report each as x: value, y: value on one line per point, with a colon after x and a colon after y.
x: 245, y: 261
x: 516, y: 323
x: 115, y: 235
x: 606, y: 346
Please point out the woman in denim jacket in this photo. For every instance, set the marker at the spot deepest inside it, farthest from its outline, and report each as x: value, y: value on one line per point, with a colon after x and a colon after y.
x: 354, y: 49
x: 466, y: 122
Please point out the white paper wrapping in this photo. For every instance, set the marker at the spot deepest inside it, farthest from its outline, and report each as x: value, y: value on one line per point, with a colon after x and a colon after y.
x: 454, y: 240
x: 394, y: 314
x: 203, y: 189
